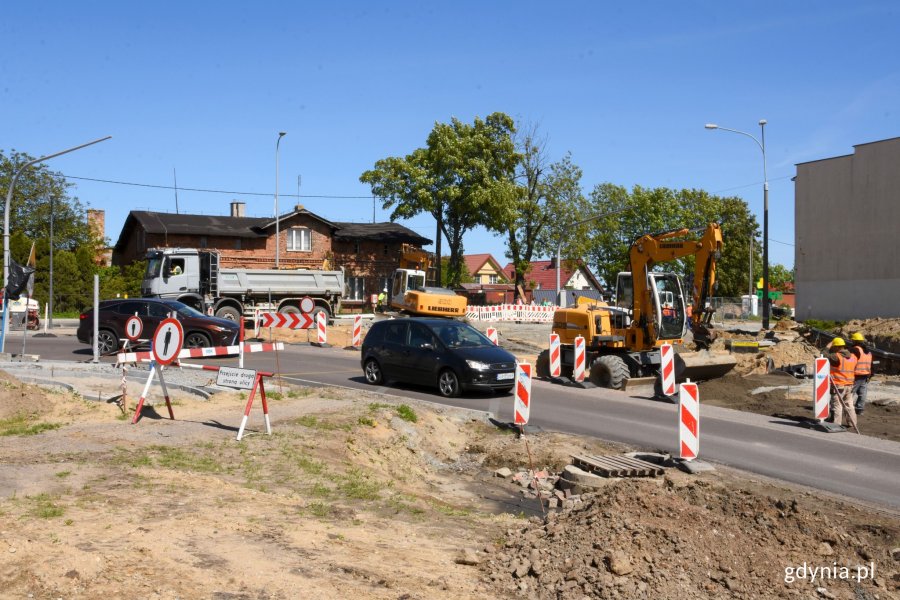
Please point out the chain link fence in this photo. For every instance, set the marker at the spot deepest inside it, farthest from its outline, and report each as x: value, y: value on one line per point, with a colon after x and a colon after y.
x: 730, y: 310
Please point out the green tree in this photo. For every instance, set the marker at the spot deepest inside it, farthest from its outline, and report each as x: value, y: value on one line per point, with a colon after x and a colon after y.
x: 465, y: 277
x: 779, y: 275
x: 463, y: 177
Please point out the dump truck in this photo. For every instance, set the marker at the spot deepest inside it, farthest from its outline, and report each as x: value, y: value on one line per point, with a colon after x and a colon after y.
x: 410, y: 294
x: 622, y: 340
x: 194, y: 277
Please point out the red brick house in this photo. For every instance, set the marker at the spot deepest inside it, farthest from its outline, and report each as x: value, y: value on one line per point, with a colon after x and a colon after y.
x: 368, y: 252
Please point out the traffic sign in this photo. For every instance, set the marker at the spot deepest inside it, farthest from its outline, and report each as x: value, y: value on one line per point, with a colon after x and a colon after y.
x: 236, y: 378
x: 167, y: 341
x: 289, y: 320
x: 307, y: 304
x: 133, y: 328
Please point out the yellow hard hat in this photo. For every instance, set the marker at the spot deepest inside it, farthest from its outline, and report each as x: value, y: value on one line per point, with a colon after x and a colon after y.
x: 857, y: 337
x: 838, y: 342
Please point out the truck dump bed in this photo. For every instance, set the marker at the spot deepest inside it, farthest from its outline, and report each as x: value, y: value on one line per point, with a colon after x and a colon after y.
x: 299, y: 282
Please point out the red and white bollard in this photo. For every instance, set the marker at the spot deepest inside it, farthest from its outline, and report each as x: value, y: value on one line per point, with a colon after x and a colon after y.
x: 357, y: 331
x: 555, y: 368
x: 522, y: 406
x: 689, y: 421
x: 320, y: 328
x: 821, y: 389
x: 492, y: 335
x: 667, y: 369
x: 578, y: 371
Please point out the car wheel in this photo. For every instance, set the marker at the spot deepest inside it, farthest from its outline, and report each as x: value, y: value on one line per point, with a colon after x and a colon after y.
x: 448, y: 384
x: 107, y: 342
x: 373, y: 372
x: 197, y: 340
x: 229, y: 312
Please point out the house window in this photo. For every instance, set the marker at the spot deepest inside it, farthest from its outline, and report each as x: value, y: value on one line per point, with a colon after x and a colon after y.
x: 299, y: 239
x: 203, y: 241
x: 237, y: 243
x: 356, y: 288
x: 386, y: 250
x: 492, y: 279
x: 356, y: 248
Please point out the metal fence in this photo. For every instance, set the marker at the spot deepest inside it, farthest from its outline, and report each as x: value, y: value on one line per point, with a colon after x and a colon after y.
x: 729, y: 309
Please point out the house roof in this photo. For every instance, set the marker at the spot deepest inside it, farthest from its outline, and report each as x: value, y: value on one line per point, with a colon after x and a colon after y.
x: 544, y: 275
x: 475, y: 262
x: 388, y: 232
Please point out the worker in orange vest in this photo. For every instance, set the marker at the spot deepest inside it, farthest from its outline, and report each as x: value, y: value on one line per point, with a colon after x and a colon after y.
x: 843, y: 373
x: 863, y: 371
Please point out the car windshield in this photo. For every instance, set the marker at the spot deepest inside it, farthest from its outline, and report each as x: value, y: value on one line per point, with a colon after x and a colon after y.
x: 456, y: 335
x: 183, y: 309
x: 153, y: 266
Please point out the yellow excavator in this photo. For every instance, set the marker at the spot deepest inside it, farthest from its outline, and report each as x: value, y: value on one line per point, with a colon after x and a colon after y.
x: 622, y: 340
x: 409, y: 294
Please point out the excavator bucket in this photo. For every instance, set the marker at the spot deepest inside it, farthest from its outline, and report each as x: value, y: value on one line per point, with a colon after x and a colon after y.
x: 702, y: 365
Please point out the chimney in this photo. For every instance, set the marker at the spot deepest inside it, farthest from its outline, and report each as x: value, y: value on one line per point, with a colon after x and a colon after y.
x: 237, y: 209
x: 96, y: 220
x: 298, y: 207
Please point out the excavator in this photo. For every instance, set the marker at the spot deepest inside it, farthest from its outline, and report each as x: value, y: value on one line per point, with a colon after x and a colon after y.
x: 622, y: 341
x: 409, y: 294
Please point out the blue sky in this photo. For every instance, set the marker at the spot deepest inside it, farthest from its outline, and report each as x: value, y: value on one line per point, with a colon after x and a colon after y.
x: 204, y: 88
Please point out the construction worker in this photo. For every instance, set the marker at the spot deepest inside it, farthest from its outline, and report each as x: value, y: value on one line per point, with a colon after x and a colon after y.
x: 863, y: 371
x: 843, y: 369
x: 382, y: 297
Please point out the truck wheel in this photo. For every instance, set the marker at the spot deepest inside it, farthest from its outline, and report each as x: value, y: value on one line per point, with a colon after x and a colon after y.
x: 609, y: 371
x: 229, y: 312
x: 289, y: 309
x: 542, y: 365
x: 319, y: 309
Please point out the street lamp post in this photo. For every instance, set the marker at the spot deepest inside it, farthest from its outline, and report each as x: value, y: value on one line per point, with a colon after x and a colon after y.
x: 762, y: 146
x: 281, y: 134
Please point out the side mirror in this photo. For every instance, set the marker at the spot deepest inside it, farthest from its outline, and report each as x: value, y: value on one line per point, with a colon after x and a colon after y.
x: 427, y: 346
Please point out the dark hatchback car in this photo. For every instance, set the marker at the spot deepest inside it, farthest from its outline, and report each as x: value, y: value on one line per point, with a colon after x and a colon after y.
x: 445, y: 353
x: 200, y: 331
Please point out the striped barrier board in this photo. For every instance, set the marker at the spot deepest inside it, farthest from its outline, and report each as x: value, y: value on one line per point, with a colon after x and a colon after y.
x: 131, y: 357
x: 357, y: 331
x: 321, y: 328
x: 688, y: 421
x: 667, y: 369
x: 578, y: 371
x: 492, y: 335
x: 522, y: 406
x: 821, y: 389
x: 288, y: 320
x: 555, y: 367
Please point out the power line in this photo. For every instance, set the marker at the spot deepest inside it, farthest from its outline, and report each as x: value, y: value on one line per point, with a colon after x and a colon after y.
x: 208, y: 191
x: 740, y: 187
x: 782, y: 243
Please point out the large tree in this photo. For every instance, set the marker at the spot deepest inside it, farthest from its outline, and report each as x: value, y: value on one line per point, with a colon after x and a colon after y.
x: 463, y: 177
x: 653, y: 210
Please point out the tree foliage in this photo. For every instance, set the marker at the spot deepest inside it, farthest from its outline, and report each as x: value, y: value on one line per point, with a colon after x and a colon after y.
x: 463, y: 177
x: 779, y: 275
x: 654, y: 210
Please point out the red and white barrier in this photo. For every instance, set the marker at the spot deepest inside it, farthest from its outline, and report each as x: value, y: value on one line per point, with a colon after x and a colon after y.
x: 821, y: 389
x: 689, y: 421
x: 287, y: 320
x: 578, y: 371
x: 357, y: 331
x: 511, y: 312
x: 522, y: 406
x: 667, y: 369
x: 130, y: 357
x: 555, y: 367
x: 321, y: 332
x: 492, y: 335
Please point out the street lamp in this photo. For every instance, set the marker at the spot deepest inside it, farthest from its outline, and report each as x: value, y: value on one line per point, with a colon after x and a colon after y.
x: 9, y: 195
x: 762, y: 146
x: 281, y: 134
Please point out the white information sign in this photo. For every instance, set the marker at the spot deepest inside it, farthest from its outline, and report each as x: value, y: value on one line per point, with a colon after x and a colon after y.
x: 236, y: 378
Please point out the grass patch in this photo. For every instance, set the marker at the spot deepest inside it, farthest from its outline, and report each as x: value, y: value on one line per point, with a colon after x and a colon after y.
x: 63, y: 474
x: 44, y: 506
x: 357, y: 485
x: 318, y: 509
x: 450, y: 511
x: 315, y: 423
x: 20, y: 425
x: 274, y: 396
x: 824, y: 324
x: 320, y: 490
x: 367, y: 421
x: 180, y: 459
x: 301, y: 392
x: 407, y: 414
x: 400, y: 503
x: 376, y: 406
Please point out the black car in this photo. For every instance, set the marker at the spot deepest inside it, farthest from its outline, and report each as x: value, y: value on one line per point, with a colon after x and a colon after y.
x: 200, y: 331
x: 445, y: 353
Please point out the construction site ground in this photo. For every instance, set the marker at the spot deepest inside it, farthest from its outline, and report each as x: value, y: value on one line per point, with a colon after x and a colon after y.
x: 357, y: 495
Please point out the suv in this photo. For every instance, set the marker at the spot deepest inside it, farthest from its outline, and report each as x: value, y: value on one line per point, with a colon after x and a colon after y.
x: 438, y: 352
x: 200, y: 331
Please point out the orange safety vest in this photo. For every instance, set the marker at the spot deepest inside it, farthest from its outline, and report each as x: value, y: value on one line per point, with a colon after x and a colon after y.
x: 863, y: 362
x: 844, y: 373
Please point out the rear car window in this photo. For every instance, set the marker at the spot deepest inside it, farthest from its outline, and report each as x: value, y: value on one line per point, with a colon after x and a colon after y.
x: 395, y: 333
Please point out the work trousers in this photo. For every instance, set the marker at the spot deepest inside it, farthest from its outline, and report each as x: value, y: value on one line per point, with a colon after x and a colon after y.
x: 841, y: 400
x: 860, y: 389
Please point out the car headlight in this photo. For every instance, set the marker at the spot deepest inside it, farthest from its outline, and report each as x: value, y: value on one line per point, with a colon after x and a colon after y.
x: 478, y: 365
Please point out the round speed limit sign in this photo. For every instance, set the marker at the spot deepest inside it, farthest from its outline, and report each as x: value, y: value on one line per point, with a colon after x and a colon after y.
x: 133, y: 328
x: 167, y: 341
x: 306, y: 304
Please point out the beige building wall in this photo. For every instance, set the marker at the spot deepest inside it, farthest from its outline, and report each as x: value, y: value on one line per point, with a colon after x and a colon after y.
x: 847, y: 223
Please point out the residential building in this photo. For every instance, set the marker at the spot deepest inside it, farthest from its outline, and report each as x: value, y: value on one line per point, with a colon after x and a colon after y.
x: 846, y: 217
x: 574, y: 276
x: 484, y: 269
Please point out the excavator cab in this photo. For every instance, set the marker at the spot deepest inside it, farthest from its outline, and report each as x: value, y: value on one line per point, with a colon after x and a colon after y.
x: 667, y: 304
x: 406, y: 280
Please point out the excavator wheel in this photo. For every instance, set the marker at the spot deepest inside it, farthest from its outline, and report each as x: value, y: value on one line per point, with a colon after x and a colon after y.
x: 609, y: 371
x: 542, y: 365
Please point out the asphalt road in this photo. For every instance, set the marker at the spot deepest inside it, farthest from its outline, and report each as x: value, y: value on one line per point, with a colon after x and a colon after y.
x: 860, y: 467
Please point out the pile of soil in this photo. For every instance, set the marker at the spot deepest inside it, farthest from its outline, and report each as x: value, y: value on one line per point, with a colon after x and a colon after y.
x: 683, y: 538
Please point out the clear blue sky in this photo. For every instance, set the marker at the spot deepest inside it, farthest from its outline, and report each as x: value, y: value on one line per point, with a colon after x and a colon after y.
x: 204, y: 88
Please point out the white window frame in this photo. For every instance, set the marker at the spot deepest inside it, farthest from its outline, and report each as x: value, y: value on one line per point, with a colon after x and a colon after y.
x: 356, y: 287
x: 493, y: 279
x: 292, y: 241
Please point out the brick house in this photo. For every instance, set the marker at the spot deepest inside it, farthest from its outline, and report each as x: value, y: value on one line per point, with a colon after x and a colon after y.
x: 368, y: 252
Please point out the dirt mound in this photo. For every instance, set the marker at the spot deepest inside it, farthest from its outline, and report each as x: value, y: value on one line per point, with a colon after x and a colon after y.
x: 874, y: 328
x: 679, y: 538
x: 19, y: 399
x: 785, y: 325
